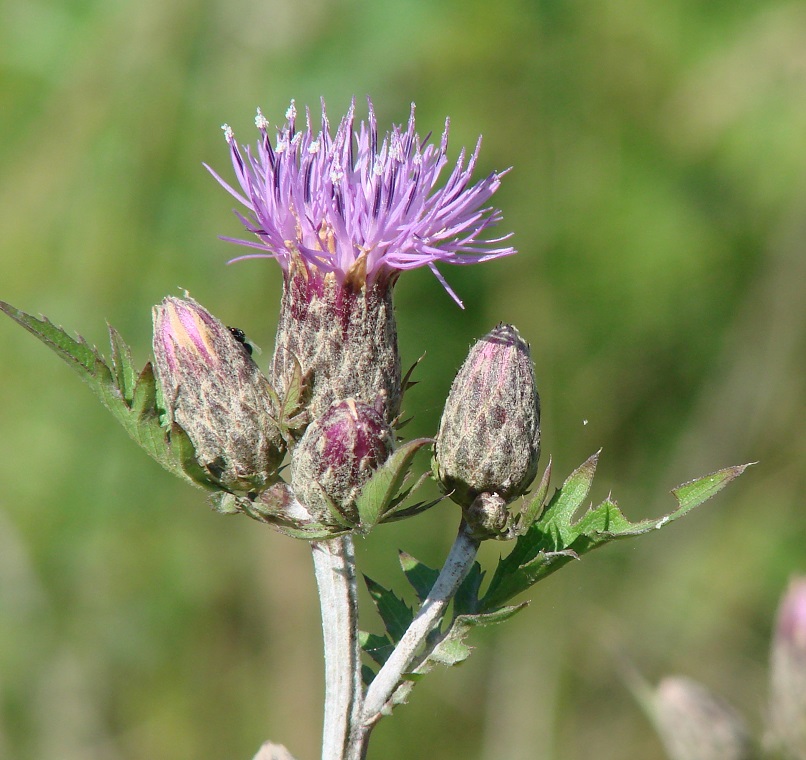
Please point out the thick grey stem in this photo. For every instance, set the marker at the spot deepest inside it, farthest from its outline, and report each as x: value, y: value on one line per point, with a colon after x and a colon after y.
x: 453, y: 572
x: 334, y: 565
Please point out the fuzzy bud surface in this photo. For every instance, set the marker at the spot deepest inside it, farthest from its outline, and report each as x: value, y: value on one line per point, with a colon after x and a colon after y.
x: 215, y: 392
x: 489, y: 435
x: 337, y: 455
x: 344, y: 337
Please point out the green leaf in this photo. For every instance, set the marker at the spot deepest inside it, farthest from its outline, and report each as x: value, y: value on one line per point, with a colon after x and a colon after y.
x: 466, y: 599
x: 451, y: 648
x: 534, y: 505
x: 399, y: 511
x: 378, y: 647
x: 75, y: 351
x: 695, y: 492
x: 406, y: 383
x: 481, y: 620
x: 556, y: 520
x: 379, y: 493
x: 367, y: 674
x: 293, y: 393
x: 125, y: 375
x: 420, y: 576
x: 394, y: 612
x: 555, y: 538
x: 143, y: 401
x: 131, y: 399
x: 552, y: 529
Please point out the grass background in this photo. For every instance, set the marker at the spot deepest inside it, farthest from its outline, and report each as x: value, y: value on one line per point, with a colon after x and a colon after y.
x: 658, y: 198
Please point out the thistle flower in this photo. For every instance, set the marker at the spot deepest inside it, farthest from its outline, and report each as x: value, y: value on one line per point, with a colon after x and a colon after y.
x: 488, y: 444
x: 214, y: 391
x: 343, y: 214
x: 348, y: 205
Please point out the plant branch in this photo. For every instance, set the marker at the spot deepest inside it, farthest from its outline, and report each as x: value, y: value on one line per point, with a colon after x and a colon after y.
x: 456, y: 567
x: 334, y: 566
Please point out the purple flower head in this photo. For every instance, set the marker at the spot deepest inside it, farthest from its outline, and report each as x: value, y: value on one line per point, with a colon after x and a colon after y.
x: 356, y: 206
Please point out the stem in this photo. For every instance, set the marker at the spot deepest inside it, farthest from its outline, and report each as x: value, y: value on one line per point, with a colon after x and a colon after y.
x: 453, y: 572
x: 334, y: 567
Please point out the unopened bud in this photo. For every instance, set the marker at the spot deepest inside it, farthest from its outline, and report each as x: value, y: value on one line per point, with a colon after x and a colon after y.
x: 342, y: 335
x: 336, y: 457
x: 787, y: 709
x: 694, y: 724
x: 489, y: 435
x: 215, y: 392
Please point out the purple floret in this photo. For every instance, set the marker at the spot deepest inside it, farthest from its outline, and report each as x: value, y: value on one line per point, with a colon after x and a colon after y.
x: 345, y: 200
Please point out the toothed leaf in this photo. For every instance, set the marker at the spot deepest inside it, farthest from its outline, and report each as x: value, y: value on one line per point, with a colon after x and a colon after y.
x: 420, y: 576
x: 534, y: 505
x: 394, y: 612
x: 75, y: 351
x: 466, y: 599
x: 125, y: 375
x: 378, y: 496
x: 556, y: 538
x: 452, y: 649
x: 376, y: 646
x: 131, y: 399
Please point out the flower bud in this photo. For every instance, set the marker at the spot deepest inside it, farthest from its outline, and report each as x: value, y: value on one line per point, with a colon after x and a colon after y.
x: 787, y: 709
x: 342, y: 335
x: 694, y: 724
x: 215, y: 392
x: 489, y: 435
x: 336, y: 457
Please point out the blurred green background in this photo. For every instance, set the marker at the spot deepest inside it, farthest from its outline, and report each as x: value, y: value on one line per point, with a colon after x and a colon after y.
x: 658, y: 198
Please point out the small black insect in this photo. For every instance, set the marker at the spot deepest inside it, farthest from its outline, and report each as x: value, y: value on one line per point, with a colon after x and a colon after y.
x: 240, y: 336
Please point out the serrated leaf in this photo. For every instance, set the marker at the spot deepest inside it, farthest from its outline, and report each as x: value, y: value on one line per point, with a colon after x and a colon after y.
x: 695, y: 492
x: 606, y: 522
x: 466, y: 599
x: 557, y: 517
x: 534, y: 505
x: 367, y: 674
x: 452, y: 649
x: 75, y: 351
x: 144, y: 396
x: 551, y: 533
x: 132, y: 402
x: 420, y: 576
x: 554, y: 540
x: 379, y: 493
x: 125, y: 375
x: 378, y: 647
x: 395, y: 613
x: 449, y: 648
